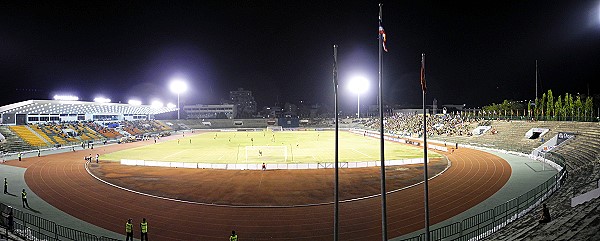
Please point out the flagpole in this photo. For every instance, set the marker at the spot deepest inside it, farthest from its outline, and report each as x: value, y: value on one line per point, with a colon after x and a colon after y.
x: 425, y: 174
x: 381, y: 140
x: 336, y: 225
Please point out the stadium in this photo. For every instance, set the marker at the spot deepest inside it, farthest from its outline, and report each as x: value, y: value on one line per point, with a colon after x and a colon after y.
x: 488, y: 173
x: 286, y: 121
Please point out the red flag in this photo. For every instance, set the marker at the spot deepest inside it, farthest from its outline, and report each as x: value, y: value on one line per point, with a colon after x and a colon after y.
x: 423, y: 86
x: 383, y: 36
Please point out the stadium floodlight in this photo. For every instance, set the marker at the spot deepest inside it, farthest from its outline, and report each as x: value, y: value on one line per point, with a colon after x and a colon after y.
x: 157, y: 104
x: 358, y: 85
x: 66, y: 97
x: 178, y: 86
x: 171, y: 105
x: 135, y: 102
x: 102, y: 100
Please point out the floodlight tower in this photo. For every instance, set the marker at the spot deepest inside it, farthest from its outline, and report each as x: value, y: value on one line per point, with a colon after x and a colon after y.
x: 358, y: 85
x: 178, y: 86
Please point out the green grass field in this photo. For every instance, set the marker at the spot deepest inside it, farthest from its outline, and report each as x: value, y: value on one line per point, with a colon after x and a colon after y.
x: 246, y: 147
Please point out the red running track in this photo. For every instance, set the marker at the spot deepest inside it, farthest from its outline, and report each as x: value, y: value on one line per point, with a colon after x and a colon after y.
x: 62, y: 181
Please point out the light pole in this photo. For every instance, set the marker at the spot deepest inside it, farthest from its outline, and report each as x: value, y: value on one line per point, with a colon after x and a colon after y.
x: 178, y: 86
x: 358, y: 85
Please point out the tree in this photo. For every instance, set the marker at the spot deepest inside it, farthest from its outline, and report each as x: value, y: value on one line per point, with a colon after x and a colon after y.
x: 568, y: 105
x: 589, y: 106
x: 549, y: 105
x: 578, y: 107
x: 543, y: 105
x: 558, y: 108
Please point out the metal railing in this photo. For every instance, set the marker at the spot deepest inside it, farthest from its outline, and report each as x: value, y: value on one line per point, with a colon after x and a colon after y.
x: 485, y: 223
x: 31, y: 227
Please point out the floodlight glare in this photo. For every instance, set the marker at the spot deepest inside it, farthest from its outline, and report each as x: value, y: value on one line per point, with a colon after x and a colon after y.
x: 134, y: 102
x: 157, y: 104
x: 171, y: 105
x: 101, y: 100
x: 65, y: 97
x: 178, y: 86
x: 358, y: 85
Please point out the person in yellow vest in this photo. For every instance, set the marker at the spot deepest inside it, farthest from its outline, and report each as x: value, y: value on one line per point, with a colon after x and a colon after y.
x: 233, y: 236
x: 19, y: 156
x: 144, y: 229
x: 24, y: 198
x: 129, y: 230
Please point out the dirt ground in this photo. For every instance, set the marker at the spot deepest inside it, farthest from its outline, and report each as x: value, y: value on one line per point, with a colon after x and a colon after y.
x: 261, y: 188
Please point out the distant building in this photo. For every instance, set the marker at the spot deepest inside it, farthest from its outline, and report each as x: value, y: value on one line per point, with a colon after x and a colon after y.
x: 226, y: 111
x: 271, y: 111
x: 244, y: 102
x: 290, y: 109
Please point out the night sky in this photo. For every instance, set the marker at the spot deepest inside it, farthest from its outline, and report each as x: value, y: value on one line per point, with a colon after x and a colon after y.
x: 476, y: 54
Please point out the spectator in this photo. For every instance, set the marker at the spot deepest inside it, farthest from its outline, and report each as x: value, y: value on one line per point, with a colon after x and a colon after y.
x: 545, y: 216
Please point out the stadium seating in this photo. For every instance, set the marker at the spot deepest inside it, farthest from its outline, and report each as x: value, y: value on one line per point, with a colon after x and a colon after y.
x: 162, y: 126
x: 581, y: 156
x: 29, y: 136
x: 55, y: 131
x: 13, y: 142
x: 41, y: 133
x: 22, y: 138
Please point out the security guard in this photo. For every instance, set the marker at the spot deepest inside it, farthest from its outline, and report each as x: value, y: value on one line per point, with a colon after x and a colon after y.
x: 233, y: 236
x: 24, y: 198
x: 19, y: 156
x: 144, y: 229
x: 129, y: 230
x: 5, y: 186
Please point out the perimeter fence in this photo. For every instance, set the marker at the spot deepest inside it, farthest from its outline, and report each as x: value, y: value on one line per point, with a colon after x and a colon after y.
x: 482, y: 225
x: 31, y: 227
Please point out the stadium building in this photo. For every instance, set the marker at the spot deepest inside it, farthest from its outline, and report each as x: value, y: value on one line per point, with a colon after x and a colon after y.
x: 39, y: 124
x: 210, y: 111
x: 42, y: 111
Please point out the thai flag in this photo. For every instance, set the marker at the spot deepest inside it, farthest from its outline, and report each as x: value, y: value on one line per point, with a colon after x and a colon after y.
x: 382, y: 33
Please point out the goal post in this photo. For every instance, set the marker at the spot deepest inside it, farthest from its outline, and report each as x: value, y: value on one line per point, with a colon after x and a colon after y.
x: 266, y: 153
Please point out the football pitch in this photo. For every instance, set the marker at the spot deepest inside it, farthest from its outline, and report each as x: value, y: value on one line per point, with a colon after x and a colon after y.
x: 268, y: 147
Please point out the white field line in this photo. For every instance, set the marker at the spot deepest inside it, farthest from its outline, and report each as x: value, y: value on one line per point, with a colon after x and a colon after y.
x: 176, y: 153
x: 357, y: 151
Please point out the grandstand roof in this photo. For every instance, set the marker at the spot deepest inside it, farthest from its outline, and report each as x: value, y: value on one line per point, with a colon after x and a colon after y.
x: 79, y: 107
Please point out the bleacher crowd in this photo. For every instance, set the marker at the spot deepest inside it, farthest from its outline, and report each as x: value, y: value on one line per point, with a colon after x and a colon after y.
x: 412, y: 125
